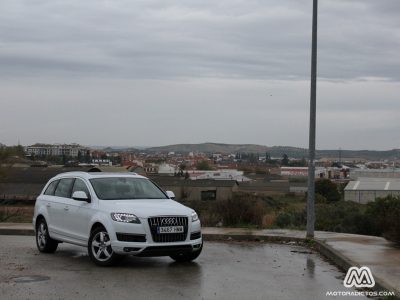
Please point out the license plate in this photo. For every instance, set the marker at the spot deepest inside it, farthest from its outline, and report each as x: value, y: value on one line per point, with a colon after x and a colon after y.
x: 170, y: 229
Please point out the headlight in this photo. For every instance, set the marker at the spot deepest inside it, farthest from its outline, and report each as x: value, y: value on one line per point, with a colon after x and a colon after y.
x: 125, y: 218
x: 195, y: 217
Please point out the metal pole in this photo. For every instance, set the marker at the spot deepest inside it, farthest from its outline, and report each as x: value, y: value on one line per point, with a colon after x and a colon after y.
x: 311, y: 148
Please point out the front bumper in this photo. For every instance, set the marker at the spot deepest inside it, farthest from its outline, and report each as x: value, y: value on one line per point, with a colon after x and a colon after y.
x: 138, y: 240
x: 155, y: 249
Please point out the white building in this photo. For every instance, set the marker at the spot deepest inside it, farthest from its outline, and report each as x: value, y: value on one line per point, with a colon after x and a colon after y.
x: 101, y: 162
x: 320, y: 172
x: 71, y: 150
x: 301, y: 172
x: 364, y: 190
x: 166, y: 169
x: 226, y: 174
x: 375, y: 173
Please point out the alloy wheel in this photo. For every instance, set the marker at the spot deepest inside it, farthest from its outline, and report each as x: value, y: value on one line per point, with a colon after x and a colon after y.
x: 101, y: 246
x: 42, y: 235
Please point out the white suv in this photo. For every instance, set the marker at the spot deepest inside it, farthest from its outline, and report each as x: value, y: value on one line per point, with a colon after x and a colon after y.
x: 114, y: 214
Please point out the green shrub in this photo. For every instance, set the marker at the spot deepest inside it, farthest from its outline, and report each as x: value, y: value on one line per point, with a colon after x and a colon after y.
x: 327, y: 189
x: 344, y: 216
x: 385, y: 213
x: 284, y: 219
x: 291, y: 219
x: 242, y: 209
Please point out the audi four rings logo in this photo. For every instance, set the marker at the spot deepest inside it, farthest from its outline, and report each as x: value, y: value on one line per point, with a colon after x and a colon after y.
x: 168, y: 221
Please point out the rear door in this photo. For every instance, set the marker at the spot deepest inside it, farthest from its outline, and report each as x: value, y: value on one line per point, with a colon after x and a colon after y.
x: 59, y: 206
x: 49, y: 202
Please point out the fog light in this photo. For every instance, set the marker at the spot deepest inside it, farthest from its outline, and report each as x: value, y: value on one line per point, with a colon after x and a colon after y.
x: 131, y: 249
x: 197, y: 246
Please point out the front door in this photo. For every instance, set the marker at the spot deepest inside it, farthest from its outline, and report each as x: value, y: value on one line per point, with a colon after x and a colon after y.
x: 77, y: 217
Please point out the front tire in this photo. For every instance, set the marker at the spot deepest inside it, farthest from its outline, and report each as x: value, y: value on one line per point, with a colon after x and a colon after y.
x: 99, y: 248
x: 44, y: 242
x: 187, y: 257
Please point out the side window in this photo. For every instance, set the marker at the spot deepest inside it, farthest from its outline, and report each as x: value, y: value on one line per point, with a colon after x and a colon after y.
x: 51, y: 188
x: 64, y: 188
x: 79, y: 185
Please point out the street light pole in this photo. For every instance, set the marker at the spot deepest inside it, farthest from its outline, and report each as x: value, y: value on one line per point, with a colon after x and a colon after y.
x: 311, y: 147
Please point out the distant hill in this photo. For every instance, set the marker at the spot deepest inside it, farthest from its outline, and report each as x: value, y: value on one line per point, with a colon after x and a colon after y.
x: 210, y: 148
x: 275, y: 151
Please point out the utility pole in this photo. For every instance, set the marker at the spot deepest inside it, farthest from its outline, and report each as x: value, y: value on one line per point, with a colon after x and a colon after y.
x: 311, y: 148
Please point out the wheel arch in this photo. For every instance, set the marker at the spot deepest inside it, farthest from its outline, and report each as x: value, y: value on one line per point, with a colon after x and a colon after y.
x: 39, y: 217
x: 96, y: 225
x: 100, y: 220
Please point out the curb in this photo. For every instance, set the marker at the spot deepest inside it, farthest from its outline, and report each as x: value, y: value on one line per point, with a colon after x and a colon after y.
x: 17, y: 231
x: 250, y: 237
x: 345, y: 263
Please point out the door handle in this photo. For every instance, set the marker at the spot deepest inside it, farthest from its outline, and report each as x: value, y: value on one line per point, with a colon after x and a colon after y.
x: 66, y: 208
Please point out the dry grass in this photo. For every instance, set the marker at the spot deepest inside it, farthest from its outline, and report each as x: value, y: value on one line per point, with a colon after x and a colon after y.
x: 17, y: 214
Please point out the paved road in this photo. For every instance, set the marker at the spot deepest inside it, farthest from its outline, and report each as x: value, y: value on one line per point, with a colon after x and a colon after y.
x: 223, y: 271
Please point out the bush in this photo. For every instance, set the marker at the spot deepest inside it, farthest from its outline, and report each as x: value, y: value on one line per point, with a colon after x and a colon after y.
x: 291, y: 218
x: 284, y: 219
x: 7, y: 152
x: 344, y: 216
x: 241, y: 209
x: 385, y: 213
x: 327, y: 189
x: 203, y: 165
x: 206, y: 210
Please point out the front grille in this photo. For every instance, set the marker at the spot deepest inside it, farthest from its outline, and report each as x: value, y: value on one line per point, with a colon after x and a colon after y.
x: 167, y: 221
x: 129, y: 237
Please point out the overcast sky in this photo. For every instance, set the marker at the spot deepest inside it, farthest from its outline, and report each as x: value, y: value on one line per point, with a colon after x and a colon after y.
x: 158, y: 72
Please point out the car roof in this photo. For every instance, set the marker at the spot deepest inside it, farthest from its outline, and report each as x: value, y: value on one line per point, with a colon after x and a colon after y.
x: 90, y: 175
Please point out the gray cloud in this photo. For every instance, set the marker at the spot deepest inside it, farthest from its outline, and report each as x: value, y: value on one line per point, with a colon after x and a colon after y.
x: 195, y: 71
x: 246, y: 39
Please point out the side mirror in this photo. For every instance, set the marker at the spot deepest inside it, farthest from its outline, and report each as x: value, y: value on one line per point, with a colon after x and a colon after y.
x: 80, y: 196
x: 171, y: 195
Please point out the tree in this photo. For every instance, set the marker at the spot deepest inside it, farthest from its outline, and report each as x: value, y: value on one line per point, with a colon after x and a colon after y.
x: 7, y: 152
x: 253, y: 158
x: 285, y: 160
x: 79, y: 156
x: 267, y: 156
x: 87, y: 157
x: 386, y: 215
x: 182, y: 167
x: 203, y: 165
x: 327, y: 189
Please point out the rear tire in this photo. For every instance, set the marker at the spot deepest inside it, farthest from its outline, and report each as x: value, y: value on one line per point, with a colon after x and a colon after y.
x: 99, y: 248
x: 44, y: 242
x: 187, y: 257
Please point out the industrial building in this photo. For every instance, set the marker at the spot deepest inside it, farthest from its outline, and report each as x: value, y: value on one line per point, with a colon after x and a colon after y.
x: 367, y: 189
x: 375, y: 173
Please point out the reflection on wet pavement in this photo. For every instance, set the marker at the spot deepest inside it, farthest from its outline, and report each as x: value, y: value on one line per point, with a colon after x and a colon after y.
x: 223, y: 271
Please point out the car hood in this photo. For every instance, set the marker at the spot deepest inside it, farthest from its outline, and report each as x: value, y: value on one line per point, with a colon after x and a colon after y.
x: 146, y: 208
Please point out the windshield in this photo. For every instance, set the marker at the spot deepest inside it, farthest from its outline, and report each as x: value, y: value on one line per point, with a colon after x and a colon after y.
x: 124, y: 188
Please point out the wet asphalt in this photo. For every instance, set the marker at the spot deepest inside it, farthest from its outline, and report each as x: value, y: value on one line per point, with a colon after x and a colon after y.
x: 223, y: 271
